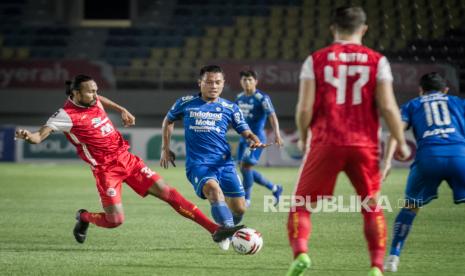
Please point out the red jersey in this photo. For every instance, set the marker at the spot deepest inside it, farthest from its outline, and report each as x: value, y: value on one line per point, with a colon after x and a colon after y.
x: 345, y: 111
x: 90, y: 130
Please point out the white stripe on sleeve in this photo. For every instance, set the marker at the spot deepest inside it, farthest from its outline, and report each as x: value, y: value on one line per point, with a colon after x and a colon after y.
x: 384, y: 70
x: 307, y: 69
x: 60, y: 121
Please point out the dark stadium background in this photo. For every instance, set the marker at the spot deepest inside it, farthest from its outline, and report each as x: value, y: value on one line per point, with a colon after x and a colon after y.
x: 144, y: 54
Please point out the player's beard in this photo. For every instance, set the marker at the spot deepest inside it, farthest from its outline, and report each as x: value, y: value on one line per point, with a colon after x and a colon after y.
x: 89, y: 104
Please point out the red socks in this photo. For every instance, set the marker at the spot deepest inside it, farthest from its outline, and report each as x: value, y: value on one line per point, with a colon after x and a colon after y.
x: 375, y: 234
x: 187, y: 209
x: 169, y: 195
x: 103, y: 220
x: 299, y: 227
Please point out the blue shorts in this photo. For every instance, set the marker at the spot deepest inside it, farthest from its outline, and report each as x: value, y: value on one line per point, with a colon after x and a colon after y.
x: 226, y: 176
x: 427, y: 174
x: 246, y: 155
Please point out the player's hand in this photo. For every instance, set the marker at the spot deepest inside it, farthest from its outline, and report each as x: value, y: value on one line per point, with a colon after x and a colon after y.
x: 403, y: 152
x: 279, y: 141
x: 23, y: 134
x: 127, y: 118
x: 385, y: 171
x: 302, y: 146
x: 166, y: 158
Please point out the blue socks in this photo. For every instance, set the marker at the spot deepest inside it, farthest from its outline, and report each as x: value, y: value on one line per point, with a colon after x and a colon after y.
x: 402, y: 226
x: 257, y: 177
x: 221, y: 214
x: 237, y: 219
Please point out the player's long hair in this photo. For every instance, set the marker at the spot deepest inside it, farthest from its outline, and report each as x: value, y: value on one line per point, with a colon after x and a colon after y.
x: 75, y: 84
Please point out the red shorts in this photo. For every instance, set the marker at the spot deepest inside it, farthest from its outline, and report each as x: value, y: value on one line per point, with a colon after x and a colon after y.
x: 128, y: 168
x: 322, y: 164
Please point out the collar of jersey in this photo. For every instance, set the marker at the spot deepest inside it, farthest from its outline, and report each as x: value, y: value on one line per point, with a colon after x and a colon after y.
x: 431, y: 92
x: 346, y: 42
x: 216, y: 101
x: 255, y: 92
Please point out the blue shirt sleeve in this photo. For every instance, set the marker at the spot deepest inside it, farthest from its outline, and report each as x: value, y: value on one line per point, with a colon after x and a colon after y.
x: 176, y: 111
x: 238, y: 122
x: 405, y: 114
x: 267, y: 105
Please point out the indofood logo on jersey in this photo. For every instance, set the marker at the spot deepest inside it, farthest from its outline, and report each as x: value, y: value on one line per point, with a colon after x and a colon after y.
x: 246, y: 108
x: 205, y: 121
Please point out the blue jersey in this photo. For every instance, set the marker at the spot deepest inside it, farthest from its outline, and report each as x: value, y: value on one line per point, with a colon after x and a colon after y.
x: 256, y: 109
x: 438, y: 124
x: 205, y: 128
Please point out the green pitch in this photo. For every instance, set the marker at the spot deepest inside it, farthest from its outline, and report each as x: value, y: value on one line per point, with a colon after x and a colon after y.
x: 38, y: 203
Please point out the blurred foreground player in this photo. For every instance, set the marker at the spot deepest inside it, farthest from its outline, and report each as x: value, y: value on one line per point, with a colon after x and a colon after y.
x: 87, y: 126
x: 342, y: 89
x: 438, y: 124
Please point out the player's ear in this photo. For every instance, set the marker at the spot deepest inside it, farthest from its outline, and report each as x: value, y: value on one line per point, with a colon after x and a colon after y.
x: 364, y: 29
x: 445, y: 90
x: 420, y: 91
x: 332, y: 28
x: 199, y: 81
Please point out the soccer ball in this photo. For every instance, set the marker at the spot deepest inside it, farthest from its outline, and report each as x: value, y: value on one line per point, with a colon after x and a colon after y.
x: 247, y: 241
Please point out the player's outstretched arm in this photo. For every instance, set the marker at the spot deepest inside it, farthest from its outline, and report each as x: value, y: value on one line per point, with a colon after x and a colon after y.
x: 167, y: 156
x: 126, y: 116
x: 33, y: 137
x: 390, y: 111
x: 275, y: 125
x: 304, y: 109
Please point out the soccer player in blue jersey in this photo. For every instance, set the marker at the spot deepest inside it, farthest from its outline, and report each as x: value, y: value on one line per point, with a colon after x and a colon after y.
x: 438, y: 123
x: 256, y: 107
x: 209, y: 164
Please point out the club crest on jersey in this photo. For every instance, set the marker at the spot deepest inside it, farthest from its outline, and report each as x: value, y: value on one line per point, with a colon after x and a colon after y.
x: 111, y: 192
x: 96, y: 121
x: 225, y: 104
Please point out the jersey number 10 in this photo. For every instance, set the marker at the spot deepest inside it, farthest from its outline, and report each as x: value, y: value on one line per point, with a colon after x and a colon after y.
x: 434, y: 116
x: 340, y: 83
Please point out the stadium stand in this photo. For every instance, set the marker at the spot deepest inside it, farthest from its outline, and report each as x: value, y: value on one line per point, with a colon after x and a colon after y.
x: 168, y: 46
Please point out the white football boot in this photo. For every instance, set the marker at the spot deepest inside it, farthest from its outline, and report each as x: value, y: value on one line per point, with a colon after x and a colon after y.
x: 224, y: 244
x: 391, y: 263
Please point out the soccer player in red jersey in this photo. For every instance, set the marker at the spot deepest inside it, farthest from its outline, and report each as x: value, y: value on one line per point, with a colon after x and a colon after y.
x: 87, y: 126
x: 342, y: 89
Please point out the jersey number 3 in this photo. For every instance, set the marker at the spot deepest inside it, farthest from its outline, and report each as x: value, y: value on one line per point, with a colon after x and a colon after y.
x: 340, y: 82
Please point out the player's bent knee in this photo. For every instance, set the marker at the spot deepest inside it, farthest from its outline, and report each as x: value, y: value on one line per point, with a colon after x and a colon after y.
x: 238, y: 208
x: 114, y: 219
x: 212, y: 191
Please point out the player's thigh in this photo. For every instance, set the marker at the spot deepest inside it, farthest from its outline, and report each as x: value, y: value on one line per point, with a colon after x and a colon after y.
x: 423, y: 180
x: 199, y: 175
x: 139, y: 176
x: 108, y: 182
x: 362, y: 168
x: 319, y: 171
x: 456, y: 178
x: 230, y: 182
